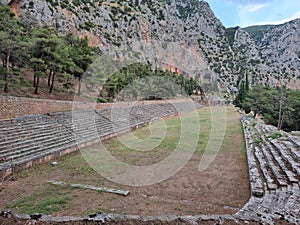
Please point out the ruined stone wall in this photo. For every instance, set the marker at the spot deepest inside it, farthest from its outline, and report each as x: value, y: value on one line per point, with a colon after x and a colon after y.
x: 17, y: 106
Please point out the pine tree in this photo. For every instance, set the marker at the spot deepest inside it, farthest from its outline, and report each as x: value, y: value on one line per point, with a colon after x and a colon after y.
x: 82, y: 56
x: 10, y: 33
x: 247, y: 86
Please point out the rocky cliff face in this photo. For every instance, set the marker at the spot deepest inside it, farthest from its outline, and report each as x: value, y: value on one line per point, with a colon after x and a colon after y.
x: 189, y: 23
x: 272, y: 54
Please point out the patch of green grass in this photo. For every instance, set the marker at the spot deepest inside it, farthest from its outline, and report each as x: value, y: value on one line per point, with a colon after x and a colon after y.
x: 49, y: 200
x: 31, y: 204
x: 72, y: 161
x: 257, y: 141
x: 253, y: 123
x: 76, y: 163
x: 275, y: 135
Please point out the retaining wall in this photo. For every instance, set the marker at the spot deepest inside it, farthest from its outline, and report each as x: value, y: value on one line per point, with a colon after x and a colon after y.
x: 18, y: 106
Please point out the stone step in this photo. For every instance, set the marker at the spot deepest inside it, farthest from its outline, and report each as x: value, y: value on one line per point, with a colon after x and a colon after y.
x: 40, y: 134
x: 265, y: 170
x: 257, y: 187
x: 20, y: 145
x: 284, y: 165
x: 276, y: 170
x: 104, y: 127
x: 19, y: 130
x: 295, y: 151
x: 295, y: 140
x: 41, y: 148
x: 37, y: 154
x: 141, y: 113
x: 34, y: 144
x: 160, y: 110
x: 295, y: 165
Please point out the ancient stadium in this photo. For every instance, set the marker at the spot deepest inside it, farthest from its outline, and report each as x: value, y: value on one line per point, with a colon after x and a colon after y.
x: 254, y: 178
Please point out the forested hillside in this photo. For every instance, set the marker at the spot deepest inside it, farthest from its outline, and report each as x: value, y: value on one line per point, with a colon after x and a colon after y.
x: 278, y: 106
x: 41, y: 53
x: 50, y: 41
x: 61, y: 59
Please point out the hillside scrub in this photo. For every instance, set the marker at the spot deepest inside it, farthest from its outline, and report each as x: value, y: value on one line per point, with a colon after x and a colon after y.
x: 48, y: 56
x: 140, y: 81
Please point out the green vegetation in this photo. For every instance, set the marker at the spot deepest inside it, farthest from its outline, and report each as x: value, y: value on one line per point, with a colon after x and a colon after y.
x: 257, y: 32
x: 136, y: 82
x: 230, y: 33
x: 279, y: 106
x: 52, y: 200
x: 275, y: 135
x: 242, y: 93
x: 48, y: 56
x: 257, y: 141
x: 40, y: 51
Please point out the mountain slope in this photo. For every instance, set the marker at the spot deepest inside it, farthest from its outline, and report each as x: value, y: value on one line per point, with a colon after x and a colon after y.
x: 269, y: 54
x: 257, y: 32
x: 273, y: 53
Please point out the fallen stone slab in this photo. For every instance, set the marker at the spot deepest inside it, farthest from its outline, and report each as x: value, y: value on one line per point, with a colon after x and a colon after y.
x: 91, y: 187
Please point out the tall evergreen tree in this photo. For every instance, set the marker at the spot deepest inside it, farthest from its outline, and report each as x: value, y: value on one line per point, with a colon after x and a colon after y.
x: 10, y: 33
x: 82, y: 56
x: 247, y: 85
x: 44, y: 50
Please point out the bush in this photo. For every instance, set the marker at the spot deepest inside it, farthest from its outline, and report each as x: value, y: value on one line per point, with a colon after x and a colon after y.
x: 101, y: 100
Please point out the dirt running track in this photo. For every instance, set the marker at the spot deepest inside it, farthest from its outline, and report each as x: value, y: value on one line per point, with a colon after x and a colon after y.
x: 222, y: 189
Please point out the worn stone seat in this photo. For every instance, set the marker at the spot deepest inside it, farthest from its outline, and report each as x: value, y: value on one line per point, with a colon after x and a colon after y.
x: 270, y: 183
x: 295, y: 140
x: 295, y: 165
x: 26, y: 138
x: 295, y: 151
x: 283, y: 164
x: 274, y: 167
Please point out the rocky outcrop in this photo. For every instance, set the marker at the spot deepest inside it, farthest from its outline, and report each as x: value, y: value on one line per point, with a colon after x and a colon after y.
x: 271, y: 54
x: 268, y: 56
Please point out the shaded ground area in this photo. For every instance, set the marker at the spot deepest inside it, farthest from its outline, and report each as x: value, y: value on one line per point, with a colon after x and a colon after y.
x: 222, y: 189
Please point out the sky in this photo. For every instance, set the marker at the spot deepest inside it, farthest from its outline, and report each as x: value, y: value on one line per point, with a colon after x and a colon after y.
x: 245, y: 13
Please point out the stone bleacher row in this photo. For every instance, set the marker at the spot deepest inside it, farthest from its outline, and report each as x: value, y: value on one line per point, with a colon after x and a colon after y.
x: 274, y: 170
x: 27, y: 138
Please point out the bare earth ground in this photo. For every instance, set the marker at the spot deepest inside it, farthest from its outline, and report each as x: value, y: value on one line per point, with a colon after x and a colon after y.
x: 22, y: 87
x: 222, y: 189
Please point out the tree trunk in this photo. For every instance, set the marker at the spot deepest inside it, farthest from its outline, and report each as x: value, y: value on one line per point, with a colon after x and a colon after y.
x: 49, y: 78
x: 52, y: 82
x: 279, y: 125
x: 7, y: 71
x: 79, y: 87
x: 6, y: 83
x: 7, y: 60
x: 34, y: 81
x: 37, y: 85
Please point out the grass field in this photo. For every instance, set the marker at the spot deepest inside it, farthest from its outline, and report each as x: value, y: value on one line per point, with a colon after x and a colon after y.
x: 222, y: 188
